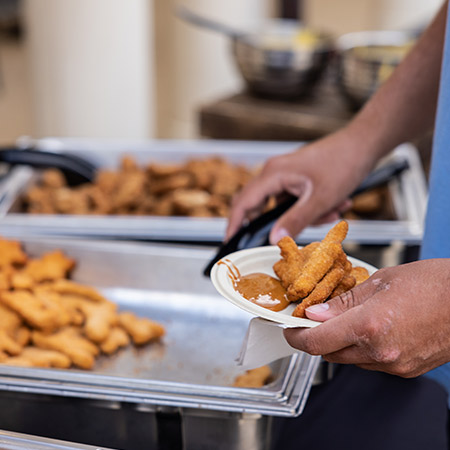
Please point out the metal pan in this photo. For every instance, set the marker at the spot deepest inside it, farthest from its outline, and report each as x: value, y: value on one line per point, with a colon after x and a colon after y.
x: 408, y: 194
x: 195, y: 365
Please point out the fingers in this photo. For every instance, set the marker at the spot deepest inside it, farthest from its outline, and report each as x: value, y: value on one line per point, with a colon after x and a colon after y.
x: 251, y: 200
x: 349, y: 355
x: 329, y: 337
x: 344, y: 302
x: 299, y: 215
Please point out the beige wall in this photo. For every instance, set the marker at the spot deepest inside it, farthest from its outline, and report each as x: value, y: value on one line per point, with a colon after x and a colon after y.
x: 194, y: 65
x: 342, y: 16
x: 89, y: 62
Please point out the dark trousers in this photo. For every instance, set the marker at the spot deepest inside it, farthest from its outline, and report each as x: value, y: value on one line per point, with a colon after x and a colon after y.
x: 364, y: 410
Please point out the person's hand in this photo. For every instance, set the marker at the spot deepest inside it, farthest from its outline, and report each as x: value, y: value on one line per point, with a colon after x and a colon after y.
x: 321, y: 175
x: 398, y: 321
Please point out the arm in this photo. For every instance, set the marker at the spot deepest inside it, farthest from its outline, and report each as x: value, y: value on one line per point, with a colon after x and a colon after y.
x: 325, y: 172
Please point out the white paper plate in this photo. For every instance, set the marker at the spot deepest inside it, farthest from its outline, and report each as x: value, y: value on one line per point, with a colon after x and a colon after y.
x: 261, y: 259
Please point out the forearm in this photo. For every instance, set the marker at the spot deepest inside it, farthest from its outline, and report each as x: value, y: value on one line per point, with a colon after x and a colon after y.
x: 404, y: 107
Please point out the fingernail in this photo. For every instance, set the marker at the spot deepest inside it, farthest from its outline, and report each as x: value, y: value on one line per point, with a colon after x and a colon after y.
x: 319, y: 308
x: 278, y: 234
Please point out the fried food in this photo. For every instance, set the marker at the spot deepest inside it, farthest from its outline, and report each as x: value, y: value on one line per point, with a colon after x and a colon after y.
x: 70, y: 342
x: 11, y: 253
x: 141, y: 330
x: 63, y: 286
x: 47, y: 320
x: 38, y: 312
x: 116, y: 338
x: 360, y: 274
x: 320, y: 262
x: 254, y: 378
x: 198, y: 187
x: 317, y: 272
x: 99, y: 319
x: 322, y: 290
x: 38, y: 357
x: 292, y: 260
x: 51, y: 266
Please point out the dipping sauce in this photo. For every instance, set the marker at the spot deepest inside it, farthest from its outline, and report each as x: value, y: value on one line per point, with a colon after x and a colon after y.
x: 263, y: 290
x: 258, y: 288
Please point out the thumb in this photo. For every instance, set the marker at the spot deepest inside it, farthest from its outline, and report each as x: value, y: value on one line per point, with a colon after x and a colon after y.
x: 338, y: 305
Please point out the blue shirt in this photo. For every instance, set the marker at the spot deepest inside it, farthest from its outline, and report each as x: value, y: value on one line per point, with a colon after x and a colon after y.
x: 436, y: 239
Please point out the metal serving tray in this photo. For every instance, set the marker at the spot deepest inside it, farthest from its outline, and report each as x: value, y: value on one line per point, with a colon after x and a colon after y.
x: 194, y: 366
x: 408, y: 193
x: 18, y: 441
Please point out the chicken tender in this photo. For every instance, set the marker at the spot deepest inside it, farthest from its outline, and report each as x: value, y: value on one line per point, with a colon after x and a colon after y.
x: 360, y: 273
x: 322, y: 290
x: 320, y: 262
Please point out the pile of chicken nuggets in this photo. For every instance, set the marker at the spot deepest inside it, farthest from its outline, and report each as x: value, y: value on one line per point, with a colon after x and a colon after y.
x: 47, y: 320
x: 198, y: 188
x: 318, y: 271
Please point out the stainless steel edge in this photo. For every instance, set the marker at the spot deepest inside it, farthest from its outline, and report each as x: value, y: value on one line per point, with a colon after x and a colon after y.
x: 19, y: 441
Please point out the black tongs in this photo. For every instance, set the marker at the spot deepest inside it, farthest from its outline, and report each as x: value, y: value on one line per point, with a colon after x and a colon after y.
x: 76, y: 170
x: 256, y: 232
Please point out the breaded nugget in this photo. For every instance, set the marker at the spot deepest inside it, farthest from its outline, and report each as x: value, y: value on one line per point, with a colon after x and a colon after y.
x: 36, y: 312
x: 21, y: 280
x: 11, y: 253
x: 116, y: 339
x: 64, y: 286
x: 8, y: 344
x: 69, y: 341
x: 39, y: 357
x: 51, y: 266
x: 141, y: 330
x: 99, y: 319
x: 53, y: 178
x: 322, y: 290
x: 360, y: 273
x: 16, y: 361
x: 10, y: 320
x: 320, y: 262
x: 254, y: 378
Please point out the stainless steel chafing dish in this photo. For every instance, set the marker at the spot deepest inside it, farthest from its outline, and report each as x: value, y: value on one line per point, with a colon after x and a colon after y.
x: 408, y: 193
x: 18, y: 441
x: 189, y: 374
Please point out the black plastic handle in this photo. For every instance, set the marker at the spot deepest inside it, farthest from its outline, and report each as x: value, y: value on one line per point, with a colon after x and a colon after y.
x: 77, y: 170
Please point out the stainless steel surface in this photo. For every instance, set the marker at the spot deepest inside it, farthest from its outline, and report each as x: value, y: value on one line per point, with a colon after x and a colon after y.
x: 230, y: 430
x: 274, y: 64
x: 195, y: 364
x: 408, y: 193
x: 357, y: 76
x: 18, y: 441
x: 271, y: 57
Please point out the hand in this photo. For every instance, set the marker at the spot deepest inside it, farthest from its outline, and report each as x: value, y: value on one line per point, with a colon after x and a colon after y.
x: 321, y: 175
x: 398, y: 321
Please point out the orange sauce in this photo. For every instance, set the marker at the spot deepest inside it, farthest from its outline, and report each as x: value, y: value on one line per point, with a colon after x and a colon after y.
x: 259, y: 288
